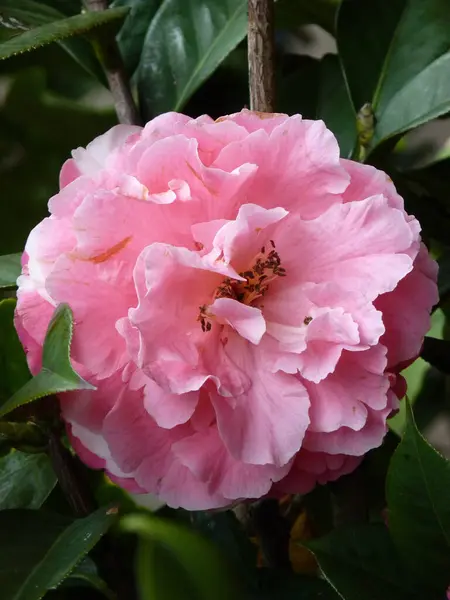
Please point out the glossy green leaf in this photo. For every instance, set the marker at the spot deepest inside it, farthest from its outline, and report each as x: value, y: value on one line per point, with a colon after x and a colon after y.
x: 38, y: 550
x: 13, y: 365
x: 184, y: 44
x: 59, y: 30
x: 24, y: 435
x: 423, y: 98
x: 21, y: 15
x: 56, y: 375
x: 392, y: 56
x: 10, y: 269
x: 418, y: 495
x: 198, y: 571
x: 134, y: 29
x: 26, y: 480
x: 361, y: 562
x: 334, y: 106
x: 85, y: 574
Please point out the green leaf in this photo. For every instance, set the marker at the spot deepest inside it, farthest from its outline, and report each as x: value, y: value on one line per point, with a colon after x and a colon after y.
x: 38, y: 550
x: 361, y: 562
x: 418, y: 495
x: 26, y: 480
x: 86, y: 574
x: 56, y: 375
x: 17, y: 14
x: 13, y: 365
x: 174, y: 562
x: 227, y: 533
x: 10, y: 269
x: 25, y: 14
x: 184, y: 44
x: 392, y: 54
x: 59, y: 30
x: 414, y: 104
x: 334, y: 105
x: 134, y: 29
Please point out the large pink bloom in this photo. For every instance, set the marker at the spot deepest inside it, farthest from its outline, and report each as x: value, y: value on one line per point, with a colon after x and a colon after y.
x: 242, y: 300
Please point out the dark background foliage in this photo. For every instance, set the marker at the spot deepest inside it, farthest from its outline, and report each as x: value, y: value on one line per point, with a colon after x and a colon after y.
x: 378, y: 74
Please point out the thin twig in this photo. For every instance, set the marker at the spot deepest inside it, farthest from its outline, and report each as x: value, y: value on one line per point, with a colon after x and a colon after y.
x: 261, y: 55
x: 111, y: 59
x: 68, y: 469
x: 70, y: 478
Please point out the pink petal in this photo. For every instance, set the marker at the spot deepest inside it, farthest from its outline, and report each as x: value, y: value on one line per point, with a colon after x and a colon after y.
x: 177, y: 158
x: 99, y: 293
x: 345, y: 396
x: 296, y: 155
x: 71, y: 196
x: 171, y: 337
x: 246, y: 320
x: 144, y: 450
x: 366, y: 181
x: 349, y: 441
x: 373, y: 266
x: 266, y: 424
x: 241, y: 239
x: 31, y: 320
x: 69, y: 172
x: 326, y: 336
x: 406, y: 310
x: 93, y: 158
x: 207, y: 458
x: 46, y: 242
x: 254, y: 121
x: 318, y: 344
x: 168, y: 410
x: 180, y: 488
x: 310, y: 468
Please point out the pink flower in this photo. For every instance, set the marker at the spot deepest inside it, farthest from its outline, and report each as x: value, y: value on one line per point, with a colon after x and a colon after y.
x: 242, y: 299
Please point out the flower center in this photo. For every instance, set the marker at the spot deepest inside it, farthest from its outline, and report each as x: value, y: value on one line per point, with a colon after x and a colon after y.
x: 266, y: 266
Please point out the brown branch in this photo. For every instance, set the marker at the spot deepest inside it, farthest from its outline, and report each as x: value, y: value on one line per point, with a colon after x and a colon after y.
x: 70, y: 476
x: 111, y: 59
x: 261, y: 55
x: 68, y: 469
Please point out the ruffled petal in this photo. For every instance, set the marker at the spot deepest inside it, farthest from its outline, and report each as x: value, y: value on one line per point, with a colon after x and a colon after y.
x: 206, y: 457
x: 293, y: 155
x: 266, y: 424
